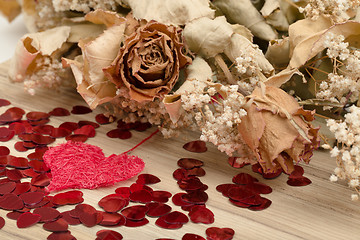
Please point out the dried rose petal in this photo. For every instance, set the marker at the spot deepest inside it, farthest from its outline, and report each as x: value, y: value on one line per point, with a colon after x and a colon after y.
x: 59, y: 112
x: 22, y: 188
x: 59, y: 225
x: 111, y: 219
x: 157, y: 209
x: 146, y: 179
x: 108, y: 234
x: 220, y: 233
x: 189, y: 163
x: 47, y: 214
x: 4, y: 102
x: 68, y: 198
x: 243, y: 178
x: 161, y: 196
x: 80, y: 110
x: 77, y: 138
x: 195, y: 197
x: 163, y: 224
x: 71, y: 126
x: 136, y: 223
x: 191, y: 236
x: 136, y: 212
x: 201, y: 214
x: 113, y: 203
x: 27, y: 219
x: 87, y: 130
x: 196, y: 146
x: 43, y: 129
x: 4, y: 151
x: 118, y: 133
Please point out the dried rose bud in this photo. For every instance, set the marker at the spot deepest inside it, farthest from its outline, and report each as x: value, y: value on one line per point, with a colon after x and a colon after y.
x: 277, y: 131
x: 148, y: 64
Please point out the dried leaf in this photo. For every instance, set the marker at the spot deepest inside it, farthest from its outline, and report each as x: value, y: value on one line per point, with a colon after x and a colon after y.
x: 274, y: 15
x: 278, y: 52
x: 171, y: 12
x: 243, y: 12
x: 208, y: 37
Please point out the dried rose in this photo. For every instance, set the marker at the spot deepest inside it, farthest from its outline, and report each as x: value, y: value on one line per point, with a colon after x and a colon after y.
x: 149, y: 63
x: 276, y: 129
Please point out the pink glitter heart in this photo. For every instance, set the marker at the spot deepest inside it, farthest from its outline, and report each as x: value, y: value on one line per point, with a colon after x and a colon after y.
x: 81, y: 165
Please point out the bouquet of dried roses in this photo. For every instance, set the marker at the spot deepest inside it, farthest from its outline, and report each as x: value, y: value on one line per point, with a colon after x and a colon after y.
x: 239, y: 71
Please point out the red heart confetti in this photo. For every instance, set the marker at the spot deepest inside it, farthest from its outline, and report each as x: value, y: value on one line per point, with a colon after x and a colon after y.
x: 142, y: 196
x: 123, y: 192
x: 87, y: 130
x: 69, y: 219
x: 19, y: 146
x: 61, y: 236
x: 178, y: 200
x: 161, y: 196
x: 265, y: 203
x: 41, y: 180
x: 80, y: 110
x: 59, y: 112
x: 176, y: 217
x: 22, y: 188
x: 113, y: 203
x: 195, y: 197
x: 243, y: 178
x: 157, y: 209
x: 201, y: 214
x: 191, y: 236
x: 299, y: 181
x: 108, y: 234
x: 36, y: 116
x: 27, y: 219
x: 31, y: 198
x: 59, y: 225
x: 163, y: 224
x: 102, y: 119
x: 189, y: 163
x: 2, y: 222
x: 60, y: 132
x: 47, y: 214
x: 4, y: 151
x: 237, y: 162
x: 119, y: 133
x: 136, y: 212
x: 4, y: 102
x: 68, y: 198
x: 196, y: 146
x: 83, y: 123
x: 136, y: 223
x: 137, y: 187
x: 18, y: 163
x: 215, y: 233
x: 13, y: 215
x: 13, y: 174
x: 147, y: 179
x: 77, y: 137
x: 7, y: 187
x: 111, y: 219
x: 43, y: 129
x: 71, y: 126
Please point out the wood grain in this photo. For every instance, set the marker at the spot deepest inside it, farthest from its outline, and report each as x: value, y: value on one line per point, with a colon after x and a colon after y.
x: 322, y: 210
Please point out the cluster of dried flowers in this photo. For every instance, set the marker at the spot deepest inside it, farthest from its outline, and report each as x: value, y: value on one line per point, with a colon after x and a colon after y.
x: 224, y: 67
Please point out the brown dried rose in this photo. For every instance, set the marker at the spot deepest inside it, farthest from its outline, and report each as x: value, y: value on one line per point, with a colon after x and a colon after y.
x: 277, y: 131
x: 149, y: 63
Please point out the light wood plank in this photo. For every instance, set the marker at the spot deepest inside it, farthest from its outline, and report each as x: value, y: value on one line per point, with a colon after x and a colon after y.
x: 322, y: 210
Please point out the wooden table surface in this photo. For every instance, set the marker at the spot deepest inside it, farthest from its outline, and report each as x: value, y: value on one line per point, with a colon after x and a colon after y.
x: 321, y: 210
